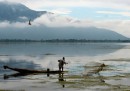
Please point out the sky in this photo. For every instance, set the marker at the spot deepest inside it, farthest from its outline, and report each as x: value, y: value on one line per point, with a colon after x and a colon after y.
x: 95, y: 9
x: 108, y: 14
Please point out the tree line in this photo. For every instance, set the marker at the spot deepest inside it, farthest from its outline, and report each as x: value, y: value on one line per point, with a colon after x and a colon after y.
x: 62, y: 40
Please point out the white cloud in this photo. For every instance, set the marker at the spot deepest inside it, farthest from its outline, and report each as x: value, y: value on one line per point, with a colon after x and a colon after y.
x: 61, y: 11
x: 55, y: 20
x: 114, y: 13
x: 120, y: 26
x: 41, y: 4
x: 6, y: 24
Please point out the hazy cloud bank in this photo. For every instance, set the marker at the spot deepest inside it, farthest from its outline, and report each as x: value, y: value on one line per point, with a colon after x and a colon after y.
x: 55, y: 20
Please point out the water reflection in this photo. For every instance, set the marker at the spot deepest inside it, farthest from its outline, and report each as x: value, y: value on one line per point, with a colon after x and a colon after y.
x: 61, y: 79
x: 68, y: 49
x: 69, y: 81
x: 95, y: 71
x: 39, y: 55
x: 17, y: 64
x: 100, y: 78
x: 16, y: 75
x: 5, y: 76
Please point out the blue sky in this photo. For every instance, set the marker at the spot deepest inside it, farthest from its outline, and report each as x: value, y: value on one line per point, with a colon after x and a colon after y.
x: 108, y: 14
x: 92, y: 13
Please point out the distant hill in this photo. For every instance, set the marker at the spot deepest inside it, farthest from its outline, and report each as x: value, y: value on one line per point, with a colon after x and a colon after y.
x: 42, y: 32
x: 17, y: 12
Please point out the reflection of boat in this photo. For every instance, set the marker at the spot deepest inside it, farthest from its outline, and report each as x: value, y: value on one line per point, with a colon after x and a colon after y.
x: 25, y: 71
x: 15, y: 75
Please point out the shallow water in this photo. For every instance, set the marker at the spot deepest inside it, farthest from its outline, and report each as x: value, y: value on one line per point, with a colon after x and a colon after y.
x: 82, y: 58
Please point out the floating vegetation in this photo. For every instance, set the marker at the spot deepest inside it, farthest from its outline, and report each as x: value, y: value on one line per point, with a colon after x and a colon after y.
x: 49, y: 54
x: 108, y: 77
x: 119, y: 59
x: 10, y: 90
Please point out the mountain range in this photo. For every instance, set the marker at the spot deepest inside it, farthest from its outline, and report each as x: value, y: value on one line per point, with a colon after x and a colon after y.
x: 16, y: 12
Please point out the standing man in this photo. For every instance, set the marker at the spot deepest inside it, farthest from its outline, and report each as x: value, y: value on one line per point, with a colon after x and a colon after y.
x: 61, y: 64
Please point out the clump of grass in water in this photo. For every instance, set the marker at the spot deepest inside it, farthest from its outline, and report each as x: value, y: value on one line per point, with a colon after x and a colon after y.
x: 10, y: 90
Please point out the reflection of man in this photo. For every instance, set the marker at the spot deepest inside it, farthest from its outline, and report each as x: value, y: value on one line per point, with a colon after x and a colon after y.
x: 101, y: 78
x: 61, y: 64
x: 61, y: 78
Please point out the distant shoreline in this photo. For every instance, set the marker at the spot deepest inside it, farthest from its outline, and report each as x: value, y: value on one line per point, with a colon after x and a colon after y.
x: 66, y: 41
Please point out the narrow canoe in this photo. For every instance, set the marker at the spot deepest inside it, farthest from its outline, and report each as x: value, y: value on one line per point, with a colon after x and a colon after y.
x: 33, y: 71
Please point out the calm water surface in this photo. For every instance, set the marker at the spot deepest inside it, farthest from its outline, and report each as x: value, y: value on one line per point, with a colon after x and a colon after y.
x: 81, y: 57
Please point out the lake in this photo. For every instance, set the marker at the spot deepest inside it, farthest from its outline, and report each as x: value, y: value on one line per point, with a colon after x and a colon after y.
x: 82, y: 58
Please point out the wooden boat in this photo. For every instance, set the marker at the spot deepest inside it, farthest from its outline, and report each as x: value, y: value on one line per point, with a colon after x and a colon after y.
x: 24, y: 71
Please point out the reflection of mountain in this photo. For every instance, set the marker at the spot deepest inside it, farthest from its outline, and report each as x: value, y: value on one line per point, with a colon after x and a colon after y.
x: 70, y: 49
